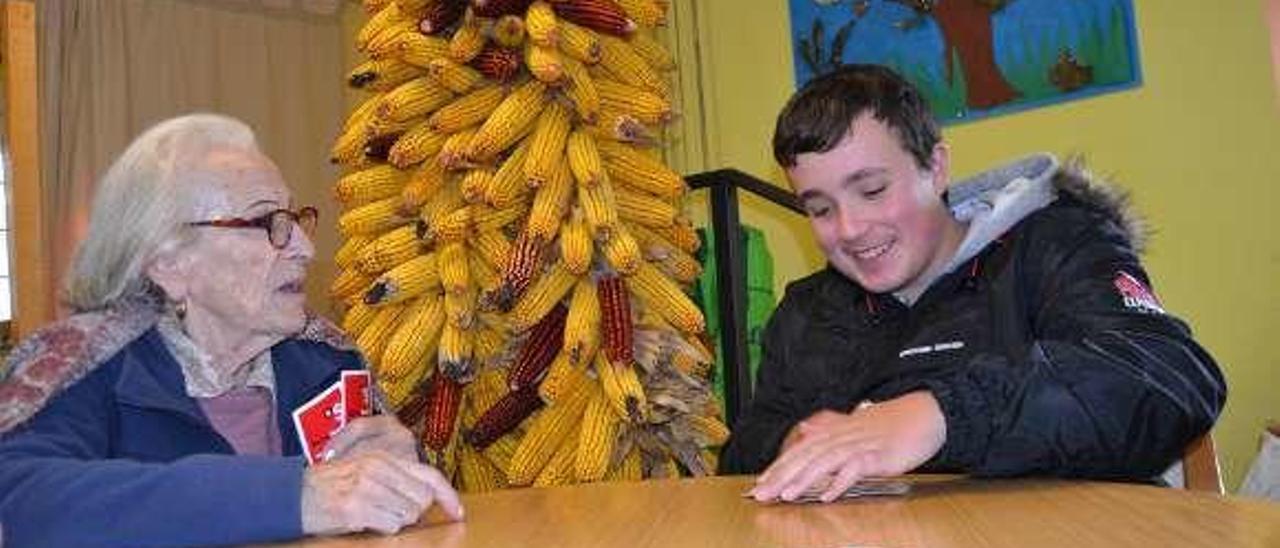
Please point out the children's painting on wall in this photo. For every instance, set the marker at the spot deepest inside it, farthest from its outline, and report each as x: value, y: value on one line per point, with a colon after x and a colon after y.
x: 975, y: 58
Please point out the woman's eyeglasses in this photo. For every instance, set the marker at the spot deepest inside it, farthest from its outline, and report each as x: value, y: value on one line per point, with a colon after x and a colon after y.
x: 278, y: 224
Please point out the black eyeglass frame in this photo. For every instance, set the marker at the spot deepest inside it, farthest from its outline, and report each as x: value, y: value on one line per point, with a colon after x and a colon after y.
x: 278, y: 224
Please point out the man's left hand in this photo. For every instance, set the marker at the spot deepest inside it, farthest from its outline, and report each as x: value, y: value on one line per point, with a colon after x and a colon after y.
x: 885, y: 439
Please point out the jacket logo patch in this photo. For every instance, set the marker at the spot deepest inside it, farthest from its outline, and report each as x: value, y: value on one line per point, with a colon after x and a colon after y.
x: 1135, y: 294
x: 917, y: 350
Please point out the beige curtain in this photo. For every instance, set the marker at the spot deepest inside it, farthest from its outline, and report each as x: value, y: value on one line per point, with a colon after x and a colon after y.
x: 111, y: 68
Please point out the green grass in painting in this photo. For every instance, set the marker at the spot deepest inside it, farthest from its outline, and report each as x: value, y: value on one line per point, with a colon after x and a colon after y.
x: 1102, y: 48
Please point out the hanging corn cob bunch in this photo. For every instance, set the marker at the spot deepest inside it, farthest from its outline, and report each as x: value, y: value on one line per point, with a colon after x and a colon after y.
x: 516, y: 251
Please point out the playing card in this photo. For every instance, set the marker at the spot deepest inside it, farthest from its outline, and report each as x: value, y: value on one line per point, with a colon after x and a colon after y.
x: 357, y: 401
x: 318, y: 420
x: 864, y: 488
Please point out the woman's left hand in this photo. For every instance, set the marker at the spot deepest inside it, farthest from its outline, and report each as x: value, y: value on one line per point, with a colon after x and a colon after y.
x: 377, y: 433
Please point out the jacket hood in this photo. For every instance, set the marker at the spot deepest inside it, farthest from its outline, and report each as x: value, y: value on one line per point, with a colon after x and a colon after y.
x: 992, y: 202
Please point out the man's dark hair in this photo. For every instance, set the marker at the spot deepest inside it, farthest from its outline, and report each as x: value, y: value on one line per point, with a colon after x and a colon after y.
x: 821, y: 114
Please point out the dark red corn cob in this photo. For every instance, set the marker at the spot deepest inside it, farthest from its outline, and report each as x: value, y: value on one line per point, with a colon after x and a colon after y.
x: 599, y: 15
x: 615, y: 319
x: 505, y: 414
x: 443, y: 399
x: 499, y: 63
x: 539, y: 350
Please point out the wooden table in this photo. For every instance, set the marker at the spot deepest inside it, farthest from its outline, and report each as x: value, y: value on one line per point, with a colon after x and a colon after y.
x: 939, y: 512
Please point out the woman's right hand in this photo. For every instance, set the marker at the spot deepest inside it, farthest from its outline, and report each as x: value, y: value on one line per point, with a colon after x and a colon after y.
x: 372, y: 491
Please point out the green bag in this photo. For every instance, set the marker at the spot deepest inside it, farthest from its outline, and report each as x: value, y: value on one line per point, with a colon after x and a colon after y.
x: 760, y: 300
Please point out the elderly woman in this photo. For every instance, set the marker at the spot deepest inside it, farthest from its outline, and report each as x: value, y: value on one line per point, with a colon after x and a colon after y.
x: 161, y: 413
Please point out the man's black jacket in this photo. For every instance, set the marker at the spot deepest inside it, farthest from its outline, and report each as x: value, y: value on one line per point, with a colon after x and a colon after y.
x: 1045, y: 351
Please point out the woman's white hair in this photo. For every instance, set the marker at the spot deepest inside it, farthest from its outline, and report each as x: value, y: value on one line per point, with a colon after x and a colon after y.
x: 141, y: 205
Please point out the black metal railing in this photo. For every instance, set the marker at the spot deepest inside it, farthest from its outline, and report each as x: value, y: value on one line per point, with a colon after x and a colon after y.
x: 731, y: 281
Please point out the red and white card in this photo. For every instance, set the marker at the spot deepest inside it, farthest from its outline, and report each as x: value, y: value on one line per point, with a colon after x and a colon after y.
x: 318, y: 420
x: 357, y: 401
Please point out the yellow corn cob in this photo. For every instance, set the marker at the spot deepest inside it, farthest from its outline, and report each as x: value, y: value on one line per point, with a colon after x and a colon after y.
x: 357, y: 317
x: 466, y: 111
x: 580, y: 89
x: 373, y: 338
x: 453, y: 226
x: 486, y: 277
x: 596, y: 439
x: 621, y: 250
x: 711, y: 431
x: 414, y: 7
x: 476, y: 473
x: 681, y: 266
x: 385, y: 128
x: 665, y: 297
x: 460, y: 309
x: 349, y: 283
x: 419, y: 49
x: 374, y: 217
x: 682, y: 234
x: 544, y: 63
x: 348, y: 148
x: 491, y: 246
x: 443, y: 202
x: 488, y: 387
x: 374, y: 6
x: 508, y: 31
x: 582, y: 324
x: 541, y: 297
x: 509, y: 122
x: 382, y: 74
x: 368, y: 185
x: 622, y: 62
x: 454, y: 274
x: 599, y: 208
x: 407, y: 280
x: 488, y: 344
x: 551, y: 202
x: 500, y: 452
x: 387, y: 42
x: 578, y: 42
x: 644, y: 209
x: 540, y: 25
x: 416, y: 145
x: 467, y: 40
x: 388, y: 250
x: 454, y: 352
x: 414, y: 340
x: 612, y: 125
x: 651, y: 51
x: 562, y: 376
x: 547, y: 431
x: 576, y: 248
x: 646, y: 175
x: 630, y: 469
x: 559, y: 470
x: 646, y: 13
x: 349, y: 252
x: 485, y: 217
x: 457, y: 77
x: 648, y: 107
x: 508, y: 185
x: 453, y: 154
x: 425, y: 183
x: 475, y: 184
x: 412, y: 99
x: 386, y: 17
x: 546, y: 144
x: 584, y: 158
x: 621, y: 388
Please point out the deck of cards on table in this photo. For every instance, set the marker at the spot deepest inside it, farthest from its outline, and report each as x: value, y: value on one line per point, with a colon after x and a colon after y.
x: 324, y: 415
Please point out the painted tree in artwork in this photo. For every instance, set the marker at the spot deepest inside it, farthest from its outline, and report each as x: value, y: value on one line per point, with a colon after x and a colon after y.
x: 966, y: 32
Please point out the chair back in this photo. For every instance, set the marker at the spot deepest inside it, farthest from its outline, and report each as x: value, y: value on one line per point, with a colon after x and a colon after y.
x: 1200, y: 470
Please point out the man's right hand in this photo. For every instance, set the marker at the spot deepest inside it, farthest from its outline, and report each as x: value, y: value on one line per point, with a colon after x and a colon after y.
x: 372, y: 491
x: 816, y: 422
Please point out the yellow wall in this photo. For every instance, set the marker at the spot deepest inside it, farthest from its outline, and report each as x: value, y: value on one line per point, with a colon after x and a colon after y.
x: 1198, y: 145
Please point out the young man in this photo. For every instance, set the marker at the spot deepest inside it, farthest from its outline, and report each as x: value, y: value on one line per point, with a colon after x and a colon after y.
x: 1002, y: 326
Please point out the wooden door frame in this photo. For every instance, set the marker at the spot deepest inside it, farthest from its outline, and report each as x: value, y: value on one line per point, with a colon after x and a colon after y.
x: 29, y: 264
